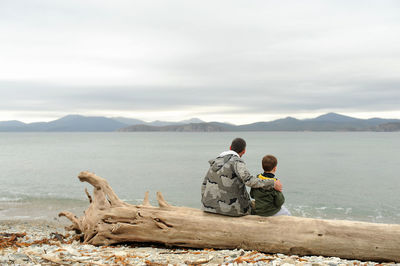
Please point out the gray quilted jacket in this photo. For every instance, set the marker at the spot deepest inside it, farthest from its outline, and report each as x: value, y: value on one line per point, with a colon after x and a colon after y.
x: 224, y: 191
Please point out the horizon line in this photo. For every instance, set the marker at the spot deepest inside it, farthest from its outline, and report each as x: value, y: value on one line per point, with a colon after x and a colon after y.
x: 203, y: 121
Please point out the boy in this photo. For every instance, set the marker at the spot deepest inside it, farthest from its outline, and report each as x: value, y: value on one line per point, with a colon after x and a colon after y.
x: 268, y: 202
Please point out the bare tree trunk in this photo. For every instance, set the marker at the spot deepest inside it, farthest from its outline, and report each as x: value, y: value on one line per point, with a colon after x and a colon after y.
x: 109, y: 220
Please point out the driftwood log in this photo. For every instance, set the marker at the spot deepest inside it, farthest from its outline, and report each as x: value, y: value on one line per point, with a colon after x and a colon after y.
x: 109, y: 220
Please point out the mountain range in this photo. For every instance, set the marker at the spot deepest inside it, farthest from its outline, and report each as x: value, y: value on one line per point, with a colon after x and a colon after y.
x: 79, y: 123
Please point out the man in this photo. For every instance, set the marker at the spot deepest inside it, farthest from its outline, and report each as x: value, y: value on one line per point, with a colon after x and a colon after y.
x: 224, y: 187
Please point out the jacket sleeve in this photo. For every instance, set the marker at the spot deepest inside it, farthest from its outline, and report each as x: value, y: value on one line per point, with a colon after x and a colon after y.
x: 203, y: 186
x: 279, y: 199
x: 249, y: 180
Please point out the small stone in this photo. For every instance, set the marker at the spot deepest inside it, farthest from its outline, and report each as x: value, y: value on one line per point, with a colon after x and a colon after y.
x: 19, y: 256
x: 288, y: 261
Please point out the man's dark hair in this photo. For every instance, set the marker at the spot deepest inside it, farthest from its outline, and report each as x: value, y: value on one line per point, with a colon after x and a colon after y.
x: 238, y: 145
x: 269, y: 162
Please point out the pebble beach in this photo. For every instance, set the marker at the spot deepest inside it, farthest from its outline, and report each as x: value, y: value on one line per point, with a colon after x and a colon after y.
x: 42, y: 242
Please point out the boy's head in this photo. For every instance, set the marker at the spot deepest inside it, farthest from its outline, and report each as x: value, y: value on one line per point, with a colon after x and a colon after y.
x: 269, y: 163
x: 239, y: 145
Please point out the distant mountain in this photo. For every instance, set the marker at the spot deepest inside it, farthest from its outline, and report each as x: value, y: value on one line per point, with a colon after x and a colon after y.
x: 225, y: 126
x: 388, y: 127
x: 13, y: 125
x: 70, y: 123
x: 326, y: 122
x: 192, y: 127
x: 378, y: 121
x: 83, y: 123
x: 334, y: 117
x: 285, y: 124
x: 159, y: 123
x: 192, y: 121
x: 129, y: 121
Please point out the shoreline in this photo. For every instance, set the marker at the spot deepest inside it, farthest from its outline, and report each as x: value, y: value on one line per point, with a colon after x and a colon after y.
x: 37, y: 242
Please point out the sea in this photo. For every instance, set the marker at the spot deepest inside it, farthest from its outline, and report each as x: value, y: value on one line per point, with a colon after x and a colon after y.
x: 328, y: 175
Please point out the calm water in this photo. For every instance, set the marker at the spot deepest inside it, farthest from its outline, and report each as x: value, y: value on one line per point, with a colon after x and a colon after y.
x: 333, y: 175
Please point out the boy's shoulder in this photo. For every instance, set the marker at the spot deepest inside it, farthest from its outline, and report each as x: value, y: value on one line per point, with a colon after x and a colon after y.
x: 260, y: 176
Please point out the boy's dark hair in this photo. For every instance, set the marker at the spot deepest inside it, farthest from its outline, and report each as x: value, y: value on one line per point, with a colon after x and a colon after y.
x: 238, y: 145
x: 269, y: 162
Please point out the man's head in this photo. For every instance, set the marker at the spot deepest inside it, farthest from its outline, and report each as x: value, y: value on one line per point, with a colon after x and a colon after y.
x: 269, y: 163
x: 239, y: 145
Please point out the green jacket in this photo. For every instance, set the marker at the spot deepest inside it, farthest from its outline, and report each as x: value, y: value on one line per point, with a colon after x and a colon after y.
x: 268, y: 202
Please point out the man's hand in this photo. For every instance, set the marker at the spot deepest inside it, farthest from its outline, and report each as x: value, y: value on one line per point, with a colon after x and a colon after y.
x: 278, y: 185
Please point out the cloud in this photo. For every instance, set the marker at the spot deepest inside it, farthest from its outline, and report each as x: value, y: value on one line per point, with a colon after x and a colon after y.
x: 225, y: 57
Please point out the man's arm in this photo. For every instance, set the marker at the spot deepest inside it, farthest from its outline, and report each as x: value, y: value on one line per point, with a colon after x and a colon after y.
x: 278, y: 185
x: 251, y: 181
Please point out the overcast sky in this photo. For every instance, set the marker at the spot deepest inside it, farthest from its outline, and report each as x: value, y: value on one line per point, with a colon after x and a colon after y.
x: 236, y: 61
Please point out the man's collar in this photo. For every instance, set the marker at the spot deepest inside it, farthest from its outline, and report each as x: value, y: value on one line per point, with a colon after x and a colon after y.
x: 229, y: 152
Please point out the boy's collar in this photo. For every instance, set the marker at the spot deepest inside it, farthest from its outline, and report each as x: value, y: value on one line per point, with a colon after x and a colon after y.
x: 270, y: 175
x: 267, y: 176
